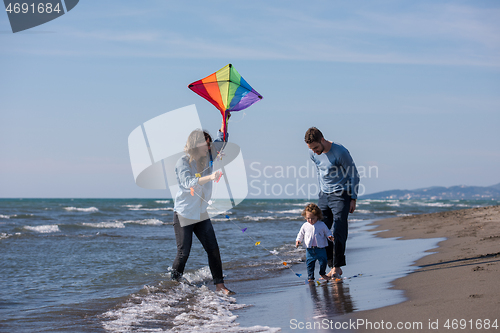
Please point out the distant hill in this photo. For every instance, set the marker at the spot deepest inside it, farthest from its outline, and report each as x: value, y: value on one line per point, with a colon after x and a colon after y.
x: 441, y: 193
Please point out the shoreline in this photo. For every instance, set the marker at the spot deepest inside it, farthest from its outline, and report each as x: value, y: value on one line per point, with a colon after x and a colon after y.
x: 281, y: 301
x: 456, y: 284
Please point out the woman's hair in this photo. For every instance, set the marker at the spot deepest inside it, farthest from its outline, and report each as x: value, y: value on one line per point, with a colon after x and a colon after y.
x: 207, y: 136
x: 313, y: 208
x: 194, y: 139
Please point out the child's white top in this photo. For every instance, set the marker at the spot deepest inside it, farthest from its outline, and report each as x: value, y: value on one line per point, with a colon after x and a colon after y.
x: 316, y: 233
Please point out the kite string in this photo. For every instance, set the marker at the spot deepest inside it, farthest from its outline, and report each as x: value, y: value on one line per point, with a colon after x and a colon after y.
x: 251, y: 238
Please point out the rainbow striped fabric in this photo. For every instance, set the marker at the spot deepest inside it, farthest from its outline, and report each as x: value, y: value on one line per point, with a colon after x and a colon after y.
x: 227, y: 91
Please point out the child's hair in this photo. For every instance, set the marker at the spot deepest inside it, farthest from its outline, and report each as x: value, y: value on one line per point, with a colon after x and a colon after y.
x: 313, y: 208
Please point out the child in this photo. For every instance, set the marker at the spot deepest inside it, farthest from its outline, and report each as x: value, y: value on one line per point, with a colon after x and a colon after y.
x: 315, y: 235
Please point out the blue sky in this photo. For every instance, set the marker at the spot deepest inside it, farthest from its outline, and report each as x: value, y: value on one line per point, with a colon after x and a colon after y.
x: 410, y: 88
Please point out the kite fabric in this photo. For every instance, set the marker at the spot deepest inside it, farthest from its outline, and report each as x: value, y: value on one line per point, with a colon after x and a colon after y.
x: 227, y: 91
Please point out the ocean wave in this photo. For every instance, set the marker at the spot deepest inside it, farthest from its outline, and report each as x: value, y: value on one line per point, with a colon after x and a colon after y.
x: 180, y: 307
x: 256, y: 218
x: 218, y: 219
x: 433, y: 204
x: 104, y: 225
x: 132, y: 206
x: 369, y: 201
x: 217, y: 210
x: 145, y: 222
x: 152, y: 209
x: 297, y: 204
x: 22, y: 216
x: 198, y: 276
x: 3, y: 235
x: 75, y: 209
x: 363, y: 211
x: 289, y: 211
x: 43, y: 229
x: 162, y: 201
x: 6, y: 216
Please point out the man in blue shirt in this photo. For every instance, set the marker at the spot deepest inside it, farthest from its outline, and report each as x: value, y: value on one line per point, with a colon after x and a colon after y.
x: 338, y: 182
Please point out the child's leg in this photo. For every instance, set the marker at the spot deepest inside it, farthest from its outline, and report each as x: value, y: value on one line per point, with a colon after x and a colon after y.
x: 323, y: 260
x: 310, y: 263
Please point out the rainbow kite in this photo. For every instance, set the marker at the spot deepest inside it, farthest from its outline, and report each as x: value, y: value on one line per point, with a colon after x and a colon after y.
x: 227, y: 91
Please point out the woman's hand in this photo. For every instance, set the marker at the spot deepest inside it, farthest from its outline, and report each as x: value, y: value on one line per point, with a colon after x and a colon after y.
x: 222, y: 125
x: 216, y: 175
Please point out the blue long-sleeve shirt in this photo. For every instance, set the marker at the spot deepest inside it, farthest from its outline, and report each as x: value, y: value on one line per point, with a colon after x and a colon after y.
x: 192, y: 206
x: 336, y: 171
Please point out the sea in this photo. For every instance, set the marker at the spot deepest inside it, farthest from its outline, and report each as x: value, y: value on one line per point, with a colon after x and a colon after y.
x: 103, y: 265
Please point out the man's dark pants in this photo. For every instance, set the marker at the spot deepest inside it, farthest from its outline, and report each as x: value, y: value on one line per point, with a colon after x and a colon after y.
x: 335, y: 209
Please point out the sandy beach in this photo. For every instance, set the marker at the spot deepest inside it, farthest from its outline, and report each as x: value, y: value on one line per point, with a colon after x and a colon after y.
x: 456, y: 288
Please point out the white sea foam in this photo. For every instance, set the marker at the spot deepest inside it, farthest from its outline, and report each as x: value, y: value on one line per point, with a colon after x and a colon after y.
x: 291, y: 211
x: 132, y: 206
x: 297, y: 204
x: 162, y: 201
x: 6, y: 216
x: 218, y: 219
x: 88, y: 210
x: 433, y: 204
x: 43, y: 229
x: 105, y: 225
x: 152, y: 209
x: 183, y: 307
x: 363, y: 211
x: 200, y: 275
x: 145, y: 222
x: 368, y: 201
x: 255, y: 218
x: 385, y: 211
x: 3, y: 235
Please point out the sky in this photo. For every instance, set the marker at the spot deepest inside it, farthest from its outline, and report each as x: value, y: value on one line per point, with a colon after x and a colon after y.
x: 410, y: 88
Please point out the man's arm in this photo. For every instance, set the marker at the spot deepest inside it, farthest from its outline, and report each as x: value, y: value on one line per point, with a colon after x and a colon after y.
x: 352, y: 172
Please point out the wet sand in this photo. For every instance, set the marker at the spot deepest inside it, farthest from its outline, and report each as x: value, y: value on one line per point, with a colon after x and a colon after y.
x: 458, y: 285
x: 457, y: 280
x: 287, y: 302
